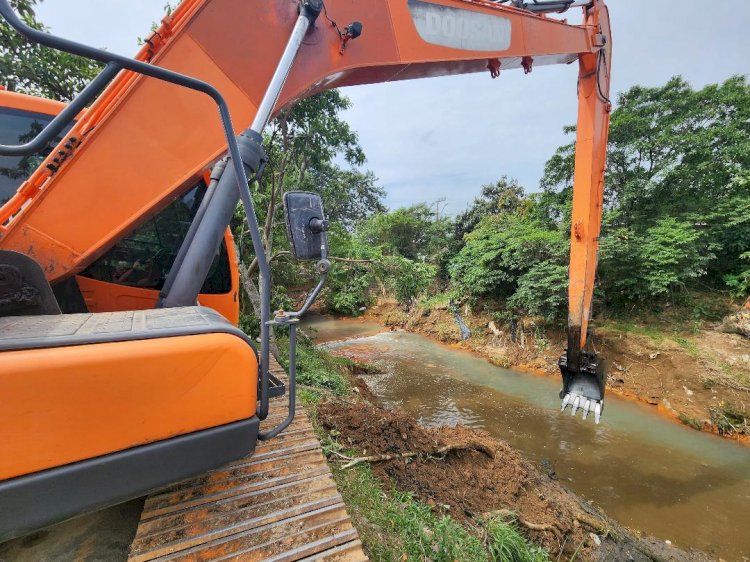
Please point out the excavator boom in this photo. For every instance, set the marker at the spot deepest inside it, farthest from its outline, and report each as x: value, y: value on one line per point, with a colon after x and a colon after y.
x: 235, y: 45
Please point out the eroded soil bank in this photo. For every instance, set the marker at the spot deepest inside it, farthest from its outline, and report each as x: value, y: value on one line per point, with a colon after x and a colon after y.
x: 470, y: 475
x: 701, y: 379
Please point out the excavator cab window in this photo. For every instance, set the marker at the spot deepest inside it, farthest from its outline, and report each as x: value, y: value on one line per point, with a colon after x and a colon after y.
x: 18, y: 126
x: 144, y: 257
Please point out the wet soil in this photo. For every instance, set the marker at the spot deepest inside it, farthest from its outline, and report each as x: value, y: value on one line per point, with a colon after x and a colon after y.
x: 485, y: 476
x: 103, y: 535
x: 701, y: 379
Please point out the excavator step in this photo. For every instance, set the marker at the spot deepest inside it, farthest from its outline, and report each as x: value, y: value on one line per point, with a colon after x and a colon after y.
x: 279, y: 504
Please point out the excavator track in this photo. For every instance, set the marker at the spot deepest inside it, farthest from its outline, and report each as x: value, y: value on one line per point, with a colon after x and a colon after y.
x: 278, y: 504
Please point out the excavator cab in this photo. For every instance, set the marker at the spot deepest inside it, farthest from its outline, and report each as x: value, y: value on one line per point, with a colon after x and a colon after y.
x: 131, y: 273
x: 97, y: 396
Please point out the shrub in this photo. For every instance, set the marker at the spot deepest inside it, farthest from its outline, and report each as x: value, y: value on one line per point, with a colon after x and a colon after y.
x: 515, y: 258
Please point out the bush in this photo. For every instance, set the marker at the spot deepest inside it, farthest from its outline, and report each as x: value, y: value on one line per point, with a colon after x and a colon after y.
x: 739, y: 283
x: 515, y: 258
x: 542, y: 290
x: 672, y: 254
x: 406, y: 278
x: 348, y: 284
x: 650, y: 266
x: 348, y: 290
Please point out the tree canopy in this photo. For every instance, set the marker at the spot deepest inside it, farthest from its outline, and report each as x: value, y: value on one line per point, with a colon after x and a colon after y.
x: 677, y: 191
x: 676, y: 213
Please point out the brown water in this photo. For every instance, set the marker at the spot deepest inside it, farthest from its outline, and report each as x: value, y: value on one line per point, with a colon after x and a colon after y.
x: 649, y: 473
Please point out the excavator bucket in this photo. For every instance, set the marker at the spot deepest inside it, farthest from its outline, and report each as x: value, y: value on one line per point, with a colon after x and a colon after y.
x: 583, y: 387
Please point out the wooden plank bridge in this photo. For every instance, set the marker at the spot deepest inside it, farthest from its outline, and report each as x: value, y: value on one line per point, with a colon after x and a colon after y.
x: 279, y: 504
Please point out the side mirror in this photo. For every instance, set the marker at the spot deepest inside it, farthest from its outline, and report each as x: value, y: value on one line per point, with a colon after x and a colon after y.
x: 306, y: 225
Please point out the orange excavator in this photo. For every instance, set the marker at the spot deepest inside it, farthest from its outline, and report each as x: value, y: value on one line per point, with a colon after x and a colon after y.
x: 123, y: 369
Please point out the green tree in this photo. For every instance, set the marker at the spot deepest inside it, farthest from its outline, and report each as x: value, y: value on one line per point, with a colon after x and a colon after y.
x: 514, y: 258
x: 676, y: 184
x: 36, y: 70
x: 304, y: 138
x: 352, y: 274
x: 411, y: 232
x: 350, y: 195
x: 407, y: 279
x: 302, y: 144
x: 503, y: 196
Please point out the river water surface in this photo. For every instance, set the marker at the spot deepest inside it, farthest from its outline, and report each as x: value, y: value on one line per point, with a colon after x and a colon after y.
x: 649, y: 473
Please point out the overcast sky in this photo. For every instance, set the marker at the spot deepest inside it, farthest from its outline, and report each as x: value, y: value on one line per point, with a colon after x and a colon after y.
x: 445, y: 137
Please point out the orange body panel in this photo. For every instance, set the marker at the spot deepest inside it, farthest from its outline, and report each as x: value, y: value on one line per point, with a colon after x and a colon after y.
x: 79, y: 402
x: 234, y: 45
x: 110, y: 297
x: 588, y: 184
x: 24, y: 102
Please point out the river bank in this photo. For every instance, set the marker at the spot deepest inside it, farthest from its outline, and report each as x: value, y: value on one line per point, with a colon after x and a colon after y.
x: 451, y: 478
x: 700, y: 378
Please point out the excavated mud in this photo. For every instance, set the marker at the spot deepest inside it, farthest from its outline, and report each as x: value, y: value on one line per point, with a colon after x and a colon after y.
x: 484, y: 475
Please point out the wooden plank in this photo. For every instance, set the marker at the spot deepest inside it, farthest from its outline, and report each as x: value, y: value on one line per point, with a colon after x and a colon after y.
x: 278, y: 504
x: 347, y: 552
x: 262, y: 542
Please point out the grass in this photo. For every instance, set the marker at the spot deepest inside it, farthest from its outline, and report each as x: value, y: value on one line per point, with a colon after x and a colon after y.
x: 692, y: 422
x: 441, y: 300
x: 732, y: 374
x: 655, y: 333
x: 506, y: 543
x: 729, y: 419
x: 317, y: 368
x: 689, y: 346
x: 687, y: 315
x: 394, y: 525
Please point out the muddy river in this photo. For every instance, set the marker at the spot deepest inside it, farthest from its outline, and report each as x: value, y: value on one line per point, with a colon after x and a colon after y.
x: 648, y: 472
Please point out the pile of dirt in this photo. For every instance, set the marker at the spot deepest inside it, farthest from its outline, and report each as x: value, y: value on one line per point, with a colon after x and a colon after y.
x: 469, y: 475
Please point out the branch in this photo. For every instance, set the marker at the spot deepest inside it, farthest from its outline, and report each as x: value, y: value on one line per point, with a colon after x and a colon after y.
x: 349, y: 260
x: 410, y: 454
x: 528, y: 524
x: 249, y: 270
x: 279, y: 254
x: 592, y: 522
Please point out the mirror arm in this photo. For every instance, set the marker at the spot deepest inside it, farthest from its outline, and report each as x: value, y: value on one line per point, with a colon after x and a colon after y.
x: 291, y: 319
x: 323, y: 267
x: 313, y: 295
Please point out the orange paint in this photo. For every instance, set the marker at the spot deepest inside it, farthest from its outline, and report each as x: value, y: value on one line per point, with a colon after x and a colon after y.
x: 79, y: 402
x: 590, y: 162
x: 109, y: 297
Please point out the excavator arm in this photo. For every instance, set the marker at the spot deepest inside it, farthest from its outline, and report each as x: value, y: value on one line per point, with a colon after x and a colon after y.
x: 583, y: 375
x: 235, y: 45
